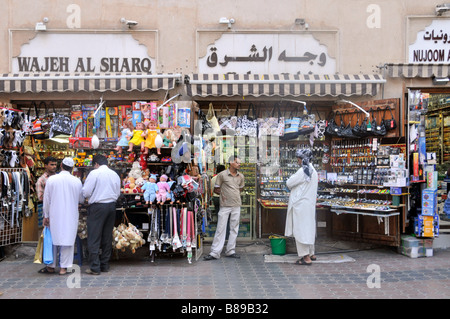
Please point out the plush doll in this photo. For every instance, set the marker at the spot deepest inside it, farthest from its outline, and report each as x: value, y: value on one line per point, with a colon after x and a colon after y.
x: 150, y: 137
x: 168, y: 138
x: 127, y: 134
x: 150, y: 189
x: 171, y: 195
x: 145, y: 110
x: 143, y: 161
x: 163, y: 190
x: 138, y: 139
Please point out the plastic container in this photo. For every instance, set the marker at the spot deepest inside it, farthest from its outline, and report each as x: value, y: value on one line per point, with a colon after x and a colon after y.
x: 278, y: 246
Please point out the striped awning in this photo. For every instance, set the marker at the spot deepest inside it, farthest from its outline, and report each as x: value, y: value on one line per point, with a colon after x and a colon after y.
x: 204, y: 85
x: 101, y: 82
x: 409, y: 70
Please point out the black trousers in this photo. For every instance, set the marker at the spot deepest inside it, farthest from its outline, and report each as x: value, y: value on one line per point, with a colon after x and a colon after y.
x: 100, y: 223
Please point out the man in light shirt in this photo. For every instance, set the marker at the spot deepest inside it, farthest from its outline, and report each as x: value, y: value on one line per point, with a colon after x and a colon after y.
x: 102, y: 189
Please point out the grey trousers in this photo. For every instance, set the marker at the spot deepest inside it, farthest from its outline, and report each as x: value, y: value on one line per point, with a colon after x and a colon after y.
x: 100, y: 223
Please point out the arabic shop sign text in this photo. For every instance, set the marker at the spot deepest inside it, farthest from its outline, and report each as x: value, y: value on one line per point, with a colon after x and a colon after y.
x: 267, y: 53
x: 432, y: 45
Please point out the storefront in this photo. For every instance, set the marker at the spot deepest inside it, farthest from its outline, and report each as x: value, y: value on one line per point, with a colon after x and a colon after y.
x: 258, y: 80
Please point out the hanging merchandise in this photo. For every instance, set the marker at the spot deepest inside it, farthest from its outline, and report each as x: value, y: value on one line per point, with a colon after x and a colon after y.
x: 228, y: 123
x: 60, y: 124
x: 273, y: 125
x: 390, y: 124
x: 347, y: 131
x: 247, y: 125
x: 379, y: 128
x: 291, y: 125
x: 212, y: 119
x: 127, y: 236
x: 40, y: 124
x: 333, y: 129
x: 319, y: 130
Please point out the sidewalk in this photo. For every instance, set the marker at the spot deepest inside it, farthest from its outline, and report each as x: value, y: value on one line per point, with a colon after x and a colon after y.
x: 136, y: 277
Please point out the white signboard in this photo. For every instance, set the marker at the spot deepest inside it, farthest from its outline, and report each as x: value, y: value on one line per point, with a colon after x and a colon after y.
x: 433, y: 44
x: 83, y: 53
x: 267, y: 53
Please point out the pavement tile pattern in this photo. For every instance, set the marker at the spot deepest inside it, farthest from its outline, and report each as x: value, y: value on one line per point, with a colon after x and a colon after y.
x: 399, y: 277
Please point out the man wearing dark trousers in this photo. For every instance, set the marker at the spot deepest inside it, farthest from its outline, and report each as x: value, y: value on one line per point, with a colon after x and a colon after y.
x: 102, y: 189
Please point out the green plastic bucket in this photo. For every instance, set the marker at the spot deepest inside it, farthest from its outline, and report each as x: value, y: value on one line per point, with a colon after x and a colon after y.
x: 278, y: 246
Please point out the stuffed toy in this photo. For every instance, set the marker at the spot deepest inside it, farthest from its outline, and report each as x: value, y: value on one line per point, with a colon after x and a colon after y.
x: 150, y: 189
x: 163, y: 190
x: 169, y: 138
x: 138, y: 138
x: 127, y: 134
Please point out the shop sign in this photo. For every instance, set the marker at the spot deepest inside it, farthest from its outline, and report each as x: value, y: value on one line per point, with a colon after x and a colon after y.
x: 432, y: 44
x: 267, y: 54
x: 83, y: 53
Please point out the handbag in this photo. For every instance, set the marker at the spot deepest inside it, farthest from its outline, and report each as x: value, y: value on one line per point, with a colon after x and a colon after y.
x: 379, y: 129
x: 390, y: 124
x: 356, y: 130
x: 247, y: 125
x: 307, y: 123
x: 27, y: 126
x: 47, y: 255
x: 291, y: 126
x: 60, y: 124
x: 40, y: 125
x: 347, y: 131
x: 212, y: 119
x: 319, y: 130
x: 273, y: 125
x: 366, y: 127
x: 332, y: 128
x: 228, y: 123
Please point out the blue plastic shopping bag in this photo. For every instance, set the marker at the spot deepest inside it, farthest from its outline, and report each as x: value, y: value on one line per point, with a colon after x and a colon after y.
x: 48, y: 247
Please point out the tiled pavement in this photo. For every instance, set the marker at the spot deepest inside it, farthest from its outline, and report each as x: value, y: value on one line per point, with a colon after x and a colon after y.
x: 250, y: 277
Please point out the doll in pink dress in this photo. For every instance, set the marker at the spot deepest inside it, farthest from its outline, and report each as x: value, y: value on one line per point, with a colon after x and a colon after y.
x: 163, y: 193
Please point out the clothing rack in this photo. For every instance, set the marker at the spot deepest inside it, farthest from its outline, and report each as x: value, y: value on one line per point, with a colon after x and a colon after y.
x: 174, y: 229
x: 13, y: 204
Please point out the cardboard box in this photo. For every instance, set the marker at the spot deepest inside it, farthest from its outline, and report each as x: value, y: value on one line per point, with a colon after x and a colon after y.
x: 429, y: 202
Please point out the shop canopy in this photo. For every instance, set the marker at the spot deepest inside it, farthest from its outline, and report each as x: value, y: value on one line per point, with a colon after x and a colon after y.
x: 205, y: 85
x: 100, y: 82
x: 410, y: 70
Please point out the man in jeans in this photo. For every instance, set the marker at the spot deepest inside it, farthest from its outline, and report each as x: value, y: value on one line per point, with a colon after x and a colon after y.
x: 229, y: 184
x: 102, y: 188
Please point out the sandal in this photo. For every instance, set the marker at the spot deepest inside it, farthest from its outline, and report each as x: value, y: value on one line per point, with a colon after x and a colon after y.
x: 313, y: 257
x: 301, y: 261
x: 46, y: 271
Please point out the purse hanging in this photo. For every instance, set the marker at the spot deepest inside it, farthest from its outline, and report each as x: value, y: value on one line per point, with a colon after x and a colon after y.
x: 379, y: 129
x: 319, y: 130
x: 356, y: 130
x: 247, y: 125
x: 291, y: 125
x: 348, y: 131
x: 60, y: 124
x: 212, y: 119
x: 390, y: 124
x: 332, y: 127
x: 307, y: 123
x: 228, y: 123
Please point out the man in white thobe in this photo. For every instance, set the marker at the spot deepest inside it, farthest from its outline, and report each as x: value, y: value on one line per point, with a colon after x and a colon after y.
x: 61, y: 198
x: 301, y: 213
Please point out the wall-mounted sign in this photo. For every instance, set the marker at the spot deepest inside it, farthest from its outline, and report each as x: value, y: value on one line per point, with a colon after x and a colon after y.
x: 83, y: 52
x: 432, y: 44
x: 267, y: 53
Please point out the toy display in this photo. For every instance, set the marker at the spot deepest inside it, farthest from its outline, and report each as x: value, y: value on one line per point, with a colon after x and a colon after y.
x: 151, y: 135
x: 150, y: 189
x: 138, y: 138
x: 127, y: 134
x: 163, y: 190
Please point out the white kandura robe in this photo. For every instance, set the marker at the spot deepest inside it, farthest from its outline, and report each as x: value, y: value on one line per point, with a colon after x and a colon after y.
x: 61, y: 197
x: 301, y: 212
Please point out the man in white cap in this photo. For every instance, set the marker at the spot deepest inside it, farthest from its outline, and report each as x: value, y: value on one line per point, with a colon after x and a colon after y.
x: 63, y: 193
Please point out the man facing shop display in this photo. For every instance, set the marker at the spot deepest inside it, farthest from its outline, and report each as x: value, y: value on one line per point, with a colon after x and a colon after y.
x: 229, y: 184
